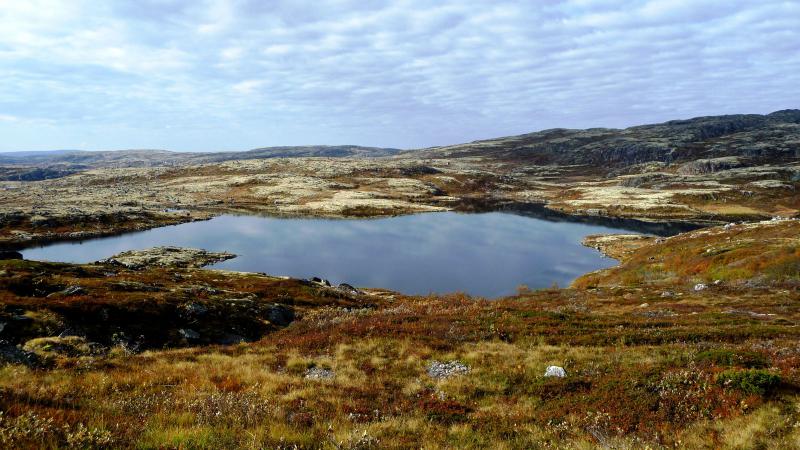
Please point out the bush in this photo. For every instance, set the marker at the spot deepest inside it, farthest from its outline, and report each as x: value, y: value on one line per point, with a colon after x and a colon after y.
x: 753, y: 381
x: 729, y: 358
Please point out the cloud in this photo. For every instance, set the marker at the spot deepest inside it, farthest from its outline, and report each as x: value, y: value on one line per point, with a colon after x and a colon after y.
x: 238, y: 74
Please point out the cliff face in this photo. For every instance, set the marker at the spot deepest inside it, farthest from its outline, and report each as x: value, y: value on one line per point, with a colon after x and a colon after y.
x: 758, y: 138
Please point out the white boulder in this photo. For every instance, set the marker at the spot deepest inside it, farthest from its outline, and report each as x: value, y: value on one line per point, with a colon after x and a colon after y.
x: 555, y: 371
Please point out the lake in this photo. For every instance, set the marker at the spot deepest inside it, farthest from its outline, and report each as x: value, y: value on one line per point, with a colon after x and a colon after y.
x: 485, y: 254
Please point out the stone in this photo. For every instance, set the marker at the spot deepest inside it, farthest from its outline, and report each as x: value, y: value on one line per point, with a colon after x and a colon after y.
x: 133, y: 286
x: 280, y: 315
x: 70, y: 346
x: 440, y: 370
x: 11, y: 354
x: 195, y: 309
x: 74, y: 290
x: 318, y: 373
x: 167, y: 257
x: 555, y: 371
x: 321, y: 281
x: 700, y: 287
x: 189, y: 334
x: 344, y: 287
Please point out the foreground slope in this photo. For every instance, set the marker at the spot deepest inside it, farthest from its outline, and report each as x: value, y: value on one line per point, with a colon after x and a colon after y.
x: 691, y: 342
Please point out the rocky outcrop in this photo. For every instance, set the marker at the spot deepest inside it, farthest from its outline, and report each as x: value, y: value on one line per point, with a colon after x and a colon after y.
x: 617, y: 246
x: 704, y: 166
x: 439, y: 370
x: 774, y: 136
x: 555, y: 371
x: 167, y: 257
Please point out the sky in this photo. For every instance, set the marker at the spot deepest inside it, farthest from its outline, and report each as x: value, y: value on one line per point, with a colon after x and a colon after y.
x: 215, y: 75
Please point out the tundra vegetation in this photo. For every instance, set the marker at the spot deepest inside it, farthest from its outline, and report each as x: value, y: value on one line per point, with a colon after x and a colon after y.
x: 690, y: 342
x: 651, y: 359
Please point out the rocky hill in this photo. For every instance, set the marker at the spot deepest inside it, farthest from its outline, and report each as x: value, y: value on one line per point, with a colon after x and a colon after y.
x: 77, y: 160
x: 750, y: 138
x: 744, y: 139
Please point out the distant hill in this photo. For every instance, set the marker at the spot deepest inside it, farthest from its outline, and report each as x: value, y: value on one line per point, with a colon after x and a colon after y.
x: 773, y: 137
x: 707, y: 142
x: 330, y: 151
x: 148, y: 158
x: 23, y: 154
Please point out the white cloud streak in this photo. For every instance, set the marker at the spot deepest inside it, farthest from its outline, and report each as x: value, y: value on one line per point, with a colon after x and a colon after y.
x: 237, y: 74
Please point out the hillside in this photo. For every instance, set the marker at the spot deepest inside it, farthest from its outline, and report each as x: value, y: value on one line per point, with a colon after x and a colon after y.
x: 77, y: 160
x: 690, y: 343
x: 708, y: 170
x: 755, y: 138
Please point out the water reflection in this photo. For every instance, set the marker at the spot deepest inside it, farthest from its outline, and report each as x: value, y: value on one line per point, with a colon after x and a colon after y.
x: 486, y: 254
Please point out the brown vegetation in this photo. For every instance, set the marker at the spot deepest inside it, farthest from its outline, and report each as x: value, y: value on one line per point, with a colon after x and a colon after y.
x: 651, y: 361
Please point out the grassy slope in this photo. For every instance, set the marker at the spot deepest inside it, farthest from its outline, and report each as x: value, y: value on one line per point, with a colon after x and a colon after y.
x: 650, y: 362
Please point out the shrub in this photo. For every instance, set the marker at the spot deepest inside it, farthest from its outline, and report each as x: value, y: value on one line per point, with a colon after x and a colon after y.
x: 753, y: 381
x: 730, y: 358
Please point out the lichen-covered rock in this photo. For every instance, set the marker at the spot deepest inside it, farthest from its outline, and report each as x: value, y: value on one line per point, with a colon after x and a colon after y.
x: 440, y: 370
x: 555, y: 371
x: 167, y: 257
x: 11, y: 354
x: 70, y: 346
x: 319, y: 373
x: 189, y: 334
x: 703, y: 166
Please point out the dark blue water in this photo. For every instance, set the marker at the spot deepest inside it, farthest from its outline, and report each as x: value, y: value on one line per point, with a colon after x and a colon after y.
x: 486, y: 254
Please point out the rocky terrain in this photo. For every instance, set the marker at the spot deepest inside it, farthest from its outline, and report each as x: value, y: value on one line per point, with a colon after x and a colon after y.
x: 690, y: 342
x: 167, y: 257
x: 704, y: 170
x: 77, y: 160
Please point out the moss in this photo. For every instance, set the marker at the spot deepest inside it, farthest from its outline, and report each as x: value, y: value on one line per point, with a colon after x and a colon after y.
x: 752, y: 381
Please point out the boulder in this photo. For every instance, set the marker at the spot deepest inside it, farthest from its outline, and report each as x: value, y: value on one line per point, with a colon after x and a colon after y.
x: 166, y: 257
x: 321, y: 281
x: 318, y: 373
x: 280, y: 315
x: 440, y: 370
x: 73, y: 290
x: 555, y: 371
x: 11, y: 354
x: 69, y: 346
x: 349, y: 289
x: 189, y: 334
x: 195, y: 309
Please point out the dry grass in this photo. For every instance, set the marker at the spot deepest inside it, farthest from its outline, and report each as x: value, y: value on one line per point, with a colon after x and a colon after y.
x: 648, y: 359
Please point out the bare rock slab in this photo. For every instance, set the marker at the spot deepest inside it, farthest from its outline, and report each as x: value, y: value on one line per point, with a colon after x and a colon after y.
x: 167, y: 257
